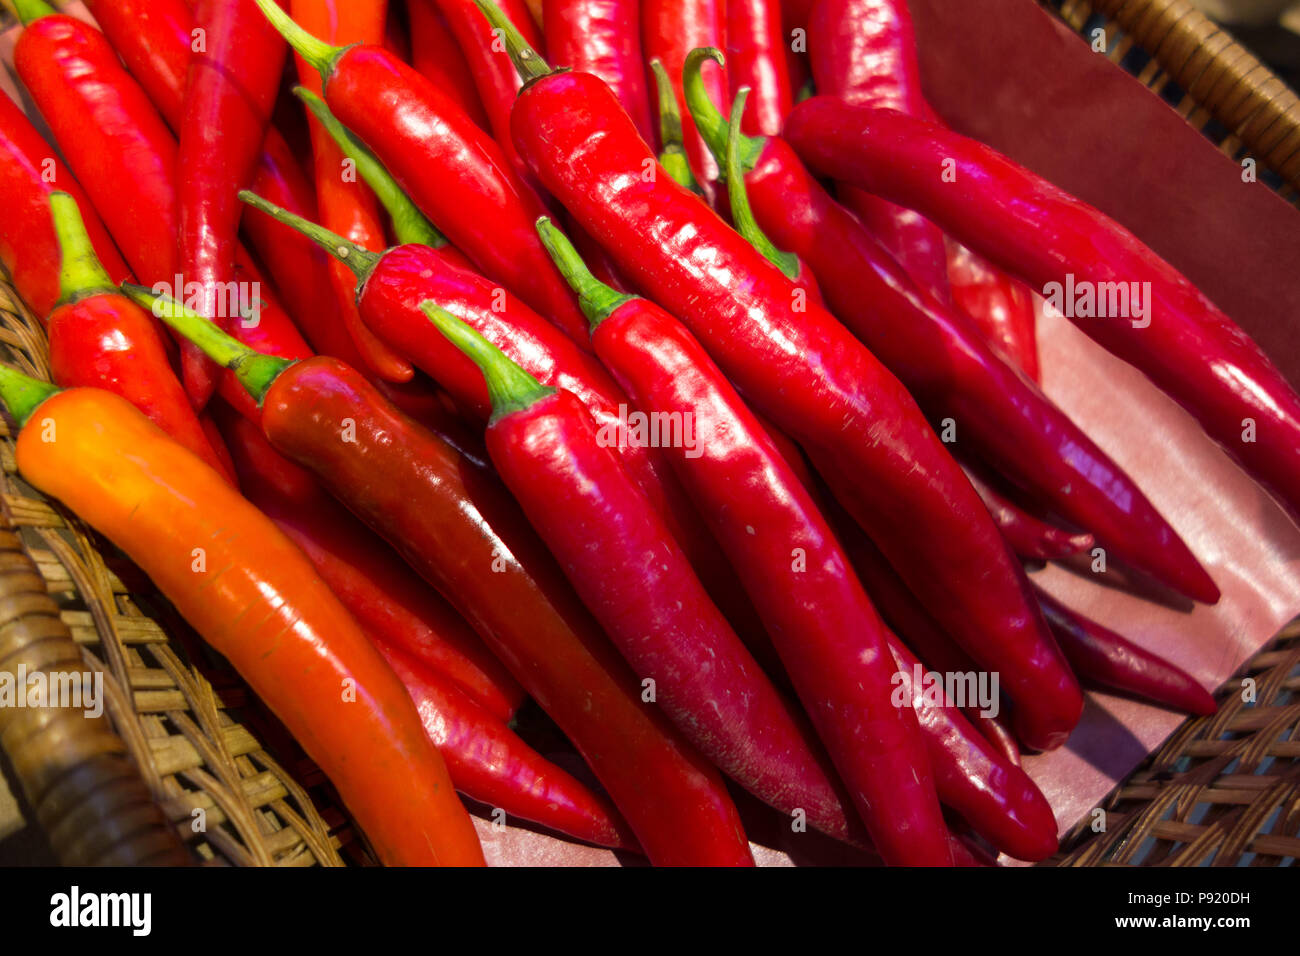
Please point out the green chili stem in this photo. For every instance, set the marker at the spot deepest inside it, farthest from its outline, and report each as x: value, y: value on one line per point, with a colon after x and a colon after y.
x: 410, y: 225
x: 22, y: 394
x: 30, y: 10
x: 316, y: 52
x: 741, y: 213
x: 708, y: 118
x: 80, y: 272
x: 597, y: 300
x: 360, y: 260
x: 510, y: 388
x: 255, y: 371
x: 526, y: 60
x: 672, y: 156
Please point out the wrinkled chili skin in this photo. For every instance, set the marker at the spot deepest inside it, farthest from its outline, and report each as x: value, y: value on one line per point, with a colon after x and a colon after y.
x: 809, y: 375
x: 456, y: 526
x: 1191, y: 350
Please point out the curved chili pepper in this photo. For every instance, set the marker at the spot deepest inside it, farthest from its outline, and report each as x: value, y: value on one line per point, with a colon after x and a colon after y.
x: 29, y: 247
x: 756, y: 59
x: 1101, y: 657
x: 1001, y: 307
x: 344, y: 202
x: 234, y: 75
x: 461, y: 532
x: 828, y: 635
x: 952, y: 371
x: 99, y: 338
x: 670, y: 29
x: 632, y: 575
x: 864, y: 51
x: 808, y: 374
x: 601, y: 37
x: 489, y: 763
x: 1029, y: 537
x: 447, y: 165
x: 255, y: 599
x: 436, y: 54
x: 1189, y: 348
x: 386, y: 597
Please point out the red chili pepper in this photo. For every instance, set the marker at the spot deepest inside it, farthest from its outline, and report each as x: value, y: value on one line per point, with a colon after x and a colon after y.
x: 455, y: 173
x: 1101, y: 657
x: 233, y: 78
x: 864, y: 51
x: 601, y: 37
x: 828, y: 635
x: 1031, y: 538
x: 29, y: 248
x: 807, y: 373
x: 756, y: 59
x: 1192, y: 351
x: 489, y: 763
x: 1001, y: 307
x: 383, y: 594
x: 344, y: 203
x: 1007, y: 420
x: 461, y: 532
x: 670, y: 29
x: 436, y: 54
x: 99, y: 338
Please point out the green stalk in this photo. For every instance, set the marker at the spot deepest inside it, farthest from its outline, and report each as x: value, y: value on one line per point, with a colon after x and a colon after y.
x: 22, y: 394
x: 527, y: 61
x: 30, y: 10
x: 708, y: 118
x: 510, y: 388
x: 80, y: 273
x: 597, y: 300
x: 741, y: 213
x: 410, y: 225
x: 255, y: 371
x: 360, y: 260
x: 316, y: 52
x: 673, y: 156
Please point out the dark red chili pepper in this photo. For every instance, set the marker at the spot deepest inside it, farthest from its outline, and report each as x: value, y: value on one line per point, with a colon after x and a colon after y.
x: 1188, y: 347
x: 436, y: 54
x: 233, y: 78
x: 386, y: 597
x: 828, y: 635
x: 489, y: 763
x: 453, y: 171
x: 100, y: 338
x: 632, y: 575
x: 807, y: 373
x: 461, y: 532
x: 1101, y: 657
x: 1030, y: 537
x: 756, y: 59
x: 794, y: 26
x: 601, y: 37
x: 1001, y: 307
x: 29, y: 248
x: 947, y: 365
x: 865, y: 51
x: 670, y: 29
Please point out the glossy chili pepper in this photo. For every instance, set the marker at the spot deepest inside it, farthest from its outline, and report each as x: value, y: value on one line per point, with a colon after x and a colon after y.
x: 756, y: 59
x: 446, y: 164
x: 670, y: 29
x: 234, y: 75
x: 489, y: 763
x: 602, y: 37
x: 1189, y: 348
x: 344, y: 202
x: 1030, y: 537
x: 952, y: 371
x: 807, y: 373
x: 386, y: 597
x: 461, y: 532
x: 1001, y: 307
x: 99, y: 338
x: 1101, y: 657
x: 828, y: 635
x: 251, y: 594
x: 29, y: 247
x: 436, y: 54
x: 865, y: 51
x: 625, y: 565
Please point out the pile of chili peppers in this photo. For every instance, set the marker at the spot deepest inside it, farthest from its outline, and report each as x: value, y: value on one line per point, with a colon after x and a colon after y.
x: 638, y: 364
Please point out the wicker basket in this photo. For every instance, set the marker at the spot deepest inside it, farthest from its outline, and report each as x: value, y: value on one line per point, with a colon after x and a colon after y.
x: 1222, y: 789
